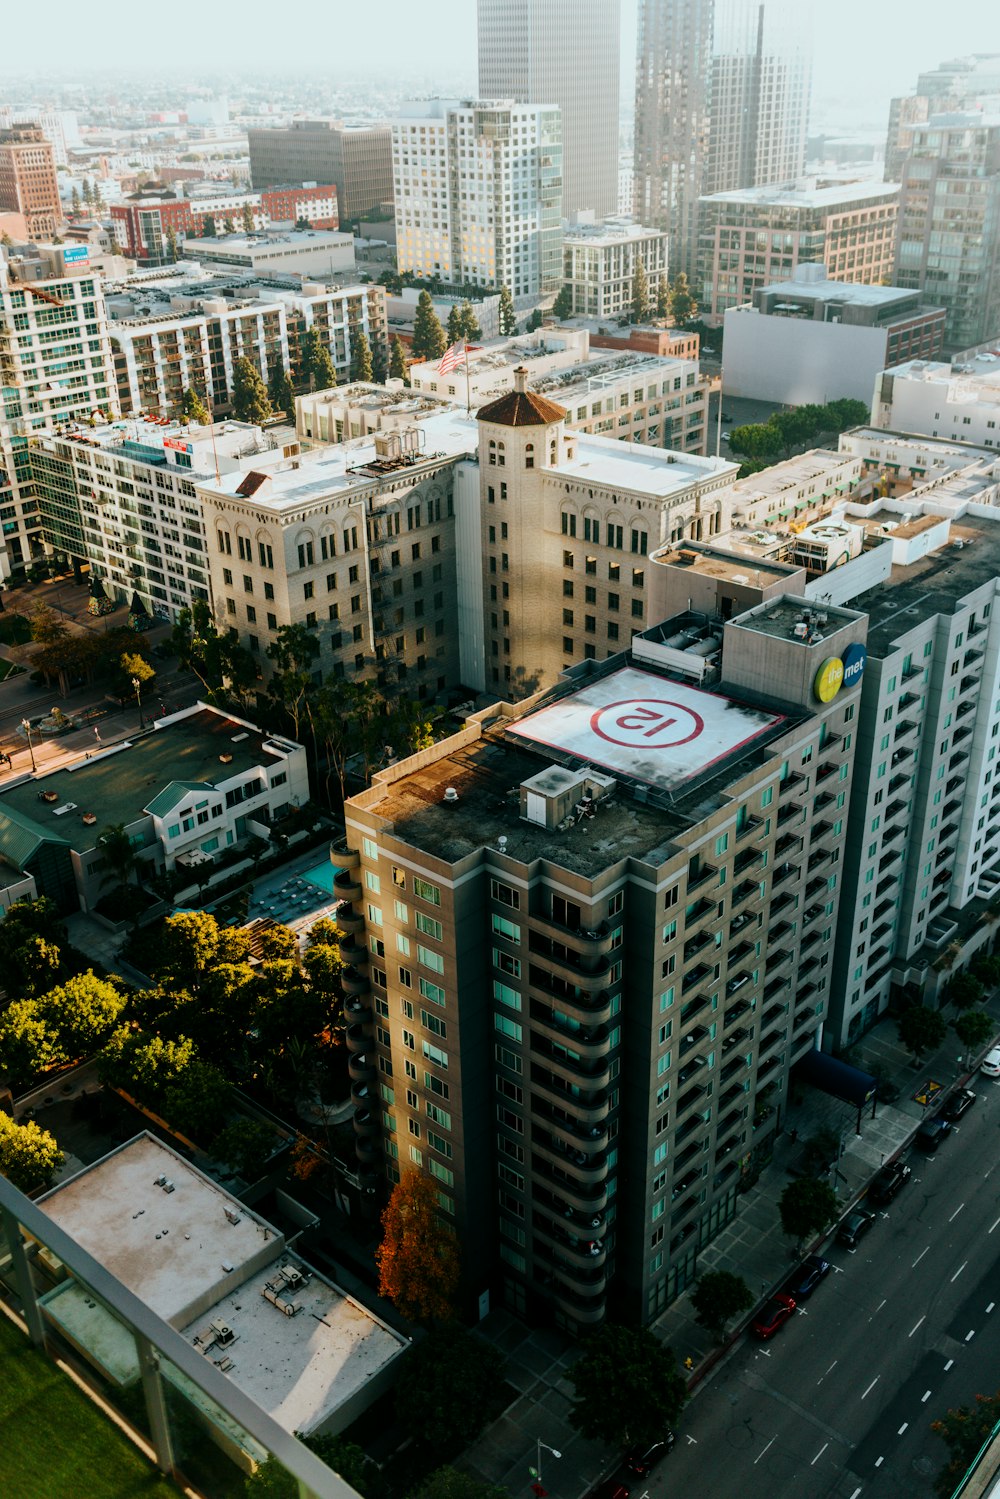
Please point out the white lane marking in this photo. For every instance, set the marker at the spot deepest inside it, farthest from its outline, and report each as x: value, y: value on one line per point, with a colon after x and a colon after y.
x: 857, y: 1491
x: 769, y: 1445
x: 905, y: 1424
x: 990, y: 1230
x: 955, y: 1214
x: 871, y: 1386
x: 970, y: 1335
x: 692, y: 1441
x: 877, y: 1309
x: 920, y: 1256
x: 991, y: 1306
x: 958, y: 1272
x: 925, y: 1397
x: 922, y: 1320
x: 879, y: 1461
x: 948, y: 1365
x: 819, y: 1454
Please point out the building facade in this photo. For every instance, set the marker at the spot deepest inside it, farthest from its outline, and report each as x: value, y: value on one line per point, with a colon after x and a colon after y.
x: 478, y: 191
x: 579, y: 975
x: 958, y: 401
x: 948, y: 242
x: 750, y: 238
x: 356, y: 159
x: 562, y: 52
x: 28, y: 183
x: 142, y: 225
x: 600, y: 262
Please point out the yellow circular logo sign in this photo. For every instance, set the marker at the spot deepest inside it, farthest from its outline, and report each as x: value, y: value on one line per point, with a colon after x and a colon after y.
x: 828, y: 679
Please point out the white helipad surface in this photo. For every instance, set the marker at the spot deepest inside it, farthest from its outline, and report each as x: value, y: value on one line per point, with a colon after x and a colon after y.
x: 645, y: 726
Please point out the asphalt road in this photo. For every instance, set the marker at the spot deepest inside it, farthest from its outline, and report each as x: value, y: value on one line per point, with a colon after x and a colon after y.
x: 839, y: 1403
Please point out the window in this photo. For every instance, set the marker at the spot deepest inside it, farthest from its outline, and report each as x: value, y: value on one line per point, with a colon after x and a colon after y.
x: 435, y: 1054
x: 430, y: 959
x: 434, y: 1024
x: 506, y: 995
x: 506, y: 963
x: 438, y: 1116
x: 426, y: 891
x: 505, y: 894
x: 375, y: 915
x: 507, y: 1027
x: 433, y: 992
x: 504, y: 928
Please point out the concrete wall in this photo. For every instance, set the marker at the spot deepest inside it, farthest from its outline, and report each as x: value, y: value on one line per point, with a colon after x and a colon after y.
x: 798, y: 361
x: 846, y: 583
x: 469, y: 565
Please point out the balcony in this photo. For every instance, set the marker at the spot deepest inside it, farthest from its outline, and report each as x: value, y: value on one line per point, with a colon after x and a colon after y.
x: 585, y: 1197
x: 735, y: 1012
x: 560, y: 976
x: 590, y: 1105
x: 583, y: 1255
x: 746, y: 859
x: 699, y: 912
x: 736, y: 1038
x: 783, y: 873
x: 576, y: 967
x: 898, y: 782
x: 909, y: 700
x: 787, y: 812
x: 744, y: 891
x: 727, y: 1124
x: 749, y: 826
x: 701, y: 877
x: 352, y: 952
x: 590, y: 1168
x: 595, y: 1071
x: 590, y: 1006
x: 356, y: 1010
x: 587, y: 1041
x: 361, y: 1066
x: 695, y: 976
x: 347, y: 919
x: 695, y: 1122
x: 700, y: 1004
x: 826, y: 770
x: 354, y: 983
x: 911, y: 672
x: 346, y: 885
x: 787, y: 843
x: 786, y: 898
x: 815, y: 885
x: 741, y: 922
x: 905, y: 727
x: 693, y: 1038
x: 696, y: 944
x: 732, y: 1068
x: 589, y: 941
x: 894, y: 808
x: 359, y: 1036
x: 779, y: 933
x: 741, y: 951
x: 571, y: 1131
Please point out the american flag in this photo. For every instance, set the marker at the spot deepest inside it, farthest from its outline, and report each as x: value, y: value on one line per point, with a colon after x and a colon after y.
x: 452, y: 357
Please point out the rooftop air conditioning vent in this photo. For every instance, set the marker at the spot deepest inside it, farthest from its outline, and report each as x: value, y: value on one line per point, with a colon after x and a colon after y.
x: 450, y: 796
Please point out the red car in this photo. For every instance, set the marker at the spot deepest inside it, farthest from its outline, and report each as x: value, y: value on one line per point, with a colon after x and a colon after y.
x: 772, y: 1315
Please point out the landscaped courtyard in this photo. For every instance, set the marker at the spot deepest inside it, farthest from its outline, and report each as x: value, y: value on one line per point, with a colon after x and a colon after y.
x: 55, y: 1443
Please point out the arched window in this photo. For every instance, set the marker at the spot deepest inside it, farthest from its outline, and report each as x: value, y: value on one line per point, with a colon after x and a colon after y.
x: 493, y: 453
x: 225, y: 543
x: 568, y: 521
x: 529, y: 455
x: 305, y: 543
x: 553, y: 451
x: 501, y: 455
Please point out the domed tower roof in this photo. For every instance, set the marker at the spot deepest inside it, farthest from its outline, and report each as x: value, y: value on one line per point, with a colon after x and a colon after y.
x: 521, y: 407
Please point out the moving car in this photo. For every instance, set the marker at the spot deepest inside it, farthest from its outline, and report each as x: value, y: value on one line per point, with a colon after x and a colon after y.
x: 773, y: 1314
x: 802, y: 1282
x: 958, y: 1103
x: 932, y: 1132
x: 990, y: 1065
x: 854, y: 1227
x: 642, y: 1460
x: 889, y: 1180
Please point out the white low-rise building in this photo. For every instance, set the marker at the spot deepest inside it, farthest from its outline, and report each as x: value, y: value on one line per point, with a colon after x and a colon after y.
x: 959, y: 401
x: 306, y: 252
x: 600, y: 262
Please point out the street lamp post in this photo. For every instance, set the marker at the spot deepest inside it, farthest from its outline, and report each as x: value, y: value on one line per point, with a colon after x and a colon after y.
x: 539, y: 1444
x: 26, y: 726
x: 137, y: 686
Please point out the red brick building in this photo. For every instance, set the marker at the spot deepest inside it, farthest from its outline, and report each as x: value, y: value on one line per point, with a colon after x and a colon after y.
x: 141, y: 224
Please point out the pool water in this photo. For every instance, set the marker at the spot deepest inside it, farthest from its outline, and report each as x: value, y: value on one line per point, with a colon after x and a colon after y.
x: 322, y: 875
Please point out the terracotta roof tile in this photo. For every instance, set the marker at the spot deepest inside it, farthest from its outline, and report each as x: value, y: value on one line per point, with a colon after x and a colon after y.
x: 521, y: 408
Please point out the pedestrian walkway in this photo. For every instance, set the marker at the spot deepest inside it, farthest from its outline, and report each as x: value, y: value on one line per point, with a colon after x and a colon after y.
x: 752, y: 1246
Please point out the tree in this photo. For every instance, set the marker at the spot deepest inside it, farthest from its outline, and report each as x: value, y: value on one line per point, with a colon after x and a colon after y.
x: 228, y: 224
x: 534, y: 320
x: 193, y: 408
x: 247, y: 1145
x: 986, y: 967
x: 293, y: 651
x: 27, y: 1044
x: 756, y: 440
x: 29, y: 1156
x: 81, y: 1014
x: 118, y: 856
x: 964, y: 990
x: 208, y: 227
x: 317, y: 365
x: 717, y: 1298
x: 75, y: 200
x: 627, y: 1387
x: 250, y: 403
x: 640, y: 292
x: 453, y: 327
x: 279, y: 390
x: 428, y: 340
x: 974, y: 1029
x: 272, y: 1481
x: 683, y: 306
x: 562, y: 307
x: 172, y: 246
x: 170, y: 1078
x: 469, y: 327
x: 361, y: 364
x: 921, y: 1029
x: 417, y: 1259
x: 248, y: 222
x: 450, y: 1391
x: 806, y: 1207
x: 964, y: 1430
x: 379, y: 366
x: 508, y: 317
x: 662, y: 299
x: 449, y: 1483
x: 397, y: 361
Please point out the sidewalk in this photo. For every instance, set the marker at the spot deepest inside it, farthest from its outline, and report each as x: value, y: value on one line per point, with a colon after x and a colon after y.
x: 752, y: 1246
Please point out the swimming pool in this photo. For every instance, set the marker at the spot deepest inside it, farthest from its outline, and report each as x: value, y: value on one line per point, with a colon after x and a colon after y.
x: 322, y: 875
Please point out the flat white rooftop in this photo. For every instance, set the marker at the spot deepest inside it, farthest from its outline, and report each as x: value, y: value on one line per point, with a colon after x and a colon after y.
x: 647, y: 727
x: 790, y: 196
x: 656, y: 472
x: 839, y: 291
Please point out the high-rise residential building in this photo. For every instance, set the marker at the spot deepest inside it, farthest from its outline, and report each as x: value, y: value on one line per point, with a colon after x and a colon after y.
x: 722, y: 102
x: 59, y: 126
x: 754, y: 236
x: 563, y: 52
x: 948, y: 239
x: 965, y: 83
x: 28, y: 183
x: 357, y: 159
x: 478, y: 192
x: 589, y: 937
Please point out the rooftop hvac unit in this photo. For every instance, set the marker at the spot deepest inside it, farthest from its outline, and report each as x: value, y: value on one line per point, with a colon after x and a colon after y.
x: 224, y: 1335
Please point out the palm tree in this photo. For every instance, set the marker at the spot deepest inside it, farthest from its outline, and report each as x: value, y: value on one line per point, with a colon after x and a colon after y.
x: 120, y: 859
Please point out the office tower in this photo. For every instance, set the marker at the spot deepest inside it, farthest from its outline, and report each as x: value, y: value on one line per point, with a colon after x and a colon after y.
x: 580, y: 971
x: 28, y: 183
x: 722, y: 102
x: 356, y: 159
x: 964, y: 84
x: 755, y: 236
x: 478, y: 192
x: 948, y: 241
x: 561, y: 52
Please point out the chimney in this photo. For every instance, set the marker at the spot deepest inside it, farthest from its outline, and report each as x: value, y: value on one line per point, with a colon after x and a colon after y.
x: 521, y: 379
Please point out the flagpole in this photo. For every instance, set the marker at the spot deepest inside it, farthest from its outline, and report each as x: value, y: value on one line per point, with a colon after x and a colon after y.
x: 468, y: 384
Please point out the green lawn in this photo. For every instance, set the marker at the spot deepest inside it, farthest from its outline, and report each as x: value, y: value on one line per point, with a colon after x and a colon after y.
x: 55, y: 1443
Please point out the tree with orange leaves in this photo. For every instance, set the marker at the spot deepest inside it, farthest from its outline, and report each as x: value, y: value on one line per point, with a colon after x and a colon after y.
x: 418, y: 1257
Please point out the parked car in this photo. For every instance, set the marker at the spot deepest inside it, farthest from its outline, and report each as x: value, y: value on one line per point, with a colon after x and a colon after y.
x: 773, y: 1314
x: 990, y: 1065
x: 802, y: 1282
x: 958, y: 1104
x: 642, y: 1460
x: 932, y: 1132
x: 890, y: 1179
x: 611, y: 1488
x: 854, y: 1227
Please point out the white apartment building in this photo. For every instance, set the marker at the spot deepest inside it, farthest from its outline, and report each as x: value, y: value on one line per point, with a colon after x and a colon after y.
x: 565, y: 51
x: 478, y: 193
x: 959, y: 401
x: 600, y: 262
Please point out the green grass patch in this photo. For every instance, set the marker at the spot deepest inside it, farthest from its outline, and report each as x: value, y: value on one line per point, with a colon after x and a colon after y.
x: 15, y: 629
x: 54, y: 1441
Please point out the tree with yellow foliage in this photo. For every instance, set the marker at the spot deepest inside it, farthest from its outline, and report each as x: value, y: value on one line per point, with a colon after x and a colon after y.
x: 418, y: 1258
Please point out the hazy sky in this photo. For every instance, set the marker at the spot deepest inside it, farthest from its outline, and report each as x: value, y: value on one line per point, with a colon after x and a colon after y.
x: 866, y: 50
